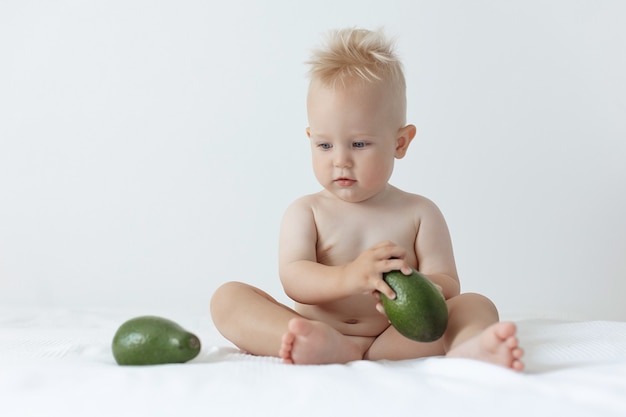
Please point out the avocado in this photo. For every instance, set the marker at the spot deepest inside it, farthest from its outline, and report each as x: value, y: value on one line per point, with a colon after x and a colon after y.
x: 419, y: 311
x: 152, y: 340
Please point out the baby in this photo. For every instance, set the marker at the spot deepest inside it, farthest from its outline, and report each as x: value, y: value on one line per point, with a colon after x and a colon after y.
x: 336, y: 244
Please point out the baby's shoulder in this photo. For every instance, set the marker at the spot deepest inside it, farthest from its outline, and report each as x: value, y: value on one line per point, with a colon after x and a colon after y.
x: 311, y: 201
x: 303, y: 207
x: 416, y: 206
x: 404, y: 198
x: 306, y: 202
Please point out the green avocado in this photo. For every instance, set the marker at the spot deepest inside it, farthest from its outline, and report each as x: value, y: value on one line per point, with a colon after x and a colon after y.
x: 419, y: 311
x: 152, y: 340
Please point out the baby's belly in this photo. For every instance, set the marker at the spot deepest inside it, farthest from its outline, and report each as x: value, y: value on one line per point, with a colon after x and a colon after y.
x: 354, y: 316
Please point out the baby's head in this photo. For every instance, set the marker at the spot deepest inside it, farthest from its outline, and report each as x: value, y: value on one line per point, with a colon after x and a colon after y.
x: 361, y: 59
x: 356, y: 108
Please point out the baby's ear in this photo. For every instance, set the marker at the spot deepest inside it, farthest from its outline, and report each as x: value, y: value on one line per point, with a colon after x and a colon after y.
x: 405, y: 136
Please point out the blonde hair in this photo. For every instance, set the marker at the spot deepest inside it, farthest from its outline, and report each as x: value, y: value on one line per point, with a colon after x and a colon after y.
x: 356, y: 54
x: 353, y: 54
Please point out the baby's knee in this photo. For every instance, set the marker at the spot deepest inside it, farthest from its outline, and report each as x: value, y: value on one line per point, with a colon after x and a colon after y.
x: 473, y: 300
x: 224, y: 294
x: 234, y: 293
x: 477, y: 298
x: 230, y: 287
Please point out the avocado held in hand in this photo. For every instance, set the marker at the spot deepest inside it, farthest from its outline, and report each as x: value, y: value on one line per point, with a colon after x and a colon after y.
x: 419, y: 311
x: 152, y: 340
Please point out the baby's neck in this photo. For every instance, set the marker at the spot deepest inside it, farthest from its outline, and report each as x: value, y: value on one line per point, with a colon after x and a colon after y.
x: 381, y: 198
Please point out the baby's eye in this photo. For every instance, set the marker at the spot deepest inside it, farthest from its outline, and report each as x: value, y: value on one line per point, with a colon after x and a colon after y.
x: 324, y: 146
x: 359, y: 144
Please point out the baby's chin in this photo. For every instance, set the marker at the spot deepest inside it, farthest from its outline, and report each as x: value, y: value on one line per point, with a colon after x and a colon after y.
x: 353, y: 194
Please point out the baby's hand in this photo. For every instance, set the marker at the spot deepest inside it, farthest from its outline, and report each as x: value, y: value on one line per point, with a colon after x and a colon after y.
x: 365, y: 272
x: 379, y: 304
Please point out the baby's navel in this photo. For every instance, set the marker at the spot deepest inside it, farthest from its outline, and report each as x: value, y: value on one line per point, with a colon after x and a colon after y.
x: 351, y: 321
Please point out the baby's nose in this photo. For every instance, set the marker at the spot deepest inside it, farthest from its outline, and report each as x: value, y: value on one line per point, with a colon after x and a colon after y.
x: 342, y: 159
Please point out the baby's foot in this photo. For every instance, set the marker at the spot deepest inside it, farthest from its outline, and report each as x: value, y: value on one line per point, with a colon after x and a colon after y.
x: 496, y: 344
x: 313, y: 342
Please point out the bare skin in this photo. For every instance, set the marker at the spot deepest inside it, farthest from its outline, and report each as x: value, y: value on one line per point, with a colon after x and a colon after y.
x: 336, y: 244
x: 309, y: 342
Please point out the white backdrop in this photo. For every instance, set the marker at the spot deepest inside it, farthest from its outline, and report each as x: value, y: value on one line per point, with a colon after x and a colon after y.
x: 149, y: 148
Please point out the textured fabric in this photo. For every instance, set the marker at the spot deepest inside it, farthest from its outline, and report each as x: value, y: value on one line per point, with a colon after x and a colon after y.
x: 59, y: 363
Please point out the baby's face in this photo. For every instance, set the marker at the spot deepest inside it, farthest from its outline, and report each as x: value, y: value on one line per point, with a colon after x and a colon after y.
x: 353, y: 132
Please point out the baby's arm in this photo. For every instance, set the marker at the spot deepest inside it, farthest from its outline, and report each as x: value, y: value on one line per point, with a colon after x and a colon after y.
x: 433, y: 247
x: 309, y: 282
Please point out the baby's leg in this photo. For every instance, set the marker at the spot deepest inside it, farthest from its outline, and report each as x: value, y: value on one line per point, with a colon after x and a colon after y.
x: 258, y: 324
x: 250, y: 318
x: 392, y: 345
x: 474, y: 332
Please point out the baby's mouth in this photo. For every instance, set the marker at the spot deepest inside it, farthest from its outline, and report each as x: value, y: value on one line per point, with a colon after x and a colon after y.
x: 344, y: 181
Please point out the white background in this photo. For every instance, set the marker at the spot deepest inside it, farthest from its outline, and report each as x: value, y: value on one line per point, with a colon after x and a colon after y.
x: 148, y: 148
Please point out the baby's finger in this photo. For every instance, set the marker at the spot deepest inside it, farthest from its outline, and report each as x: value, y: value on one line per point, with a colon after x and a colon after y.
x: 395, y: 252
x: 396, y: 264
x: 406, y: 269
x: 380, y: 308
x: 383, y: 288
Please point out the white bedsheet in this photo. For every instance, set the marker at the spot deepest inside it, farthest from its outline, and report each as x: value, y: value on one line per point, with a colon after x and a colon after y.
x: 59, y: 363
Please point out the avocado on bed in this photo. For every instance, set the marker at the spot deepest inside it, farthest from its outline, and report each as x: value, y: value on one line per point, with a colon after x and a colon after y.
x: 152, y: 340
x: 419, y: 311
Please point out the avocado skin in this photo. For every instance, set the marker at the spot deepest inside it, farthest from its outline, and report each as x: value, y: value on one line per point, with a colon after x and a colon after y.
x: 153, y: 340
x: 419, y: 311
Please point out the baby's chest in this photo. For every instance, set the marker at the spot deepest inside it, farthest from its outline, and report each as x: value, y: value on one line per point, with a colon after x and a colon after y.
x: 342, y: 241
